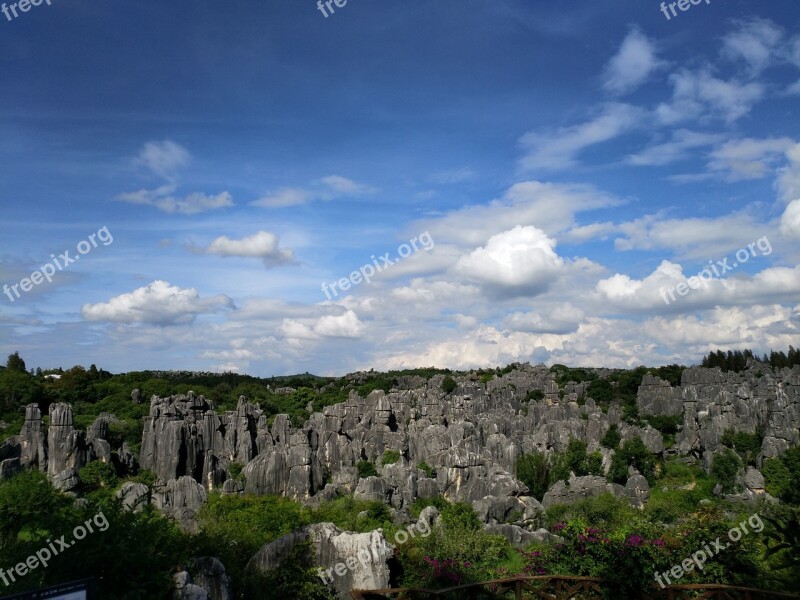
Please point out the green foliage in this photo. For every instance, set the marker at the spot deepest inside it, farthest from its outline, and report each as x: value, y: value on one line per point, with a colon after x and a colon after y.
x: 32, y: 511
x: 421, y: 504
x: 427, y: 469
x: 633, y: 453
x: 601, y: 391
x: 487, y: 377
x: 678, y: 492
x: 746, y: 445
x: 783, y: 543
x: 449, y: 385
x: 626, y: 551
x: 366, y: 469
x: 460, y: 516
x: 612, y: 437
x: 603, y: 510
x: 354, y: 515
x: 534, y: 395
x: 296, y: 577
x: 724, y: 467
x: 390, y: 457
x: 235, y: 469
x: 666, y: 424
x: 15, y: 363
x: 97, y: 475
x: 534, y: 471
x: 782, y: 476
x: 564, y: 374
x: 736, y: 360
x: 28, y: 502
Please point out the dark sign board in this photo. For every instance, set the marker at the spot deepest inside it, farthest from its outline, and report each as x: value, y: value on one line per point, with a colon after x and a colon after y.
x: 76, y: 590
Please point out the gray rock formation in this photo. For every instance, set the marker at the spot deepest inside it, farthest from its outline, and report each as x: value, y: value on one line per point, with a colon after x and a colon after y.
x: 33, y: 439
x: 346, y: 560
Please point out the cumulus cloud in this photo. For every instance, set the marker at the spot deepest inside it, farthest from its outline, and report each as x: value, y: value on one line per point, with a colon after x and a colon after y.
x: 659, y: 289
x: 632, y: 65
x: 521, y: 261
x: 165, y: 159
x: 346, y: 325
x: 158, y: 303
x: 263, y: 245
x: 559, y: 149
x: 790, y: 220
x: 327, y: 188
x: 788, y: 183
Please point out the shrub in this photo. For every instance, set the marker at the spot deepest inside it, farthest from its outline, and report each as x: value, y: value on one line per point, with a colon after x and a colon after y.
x: 421, y: 504
x: 782, y: 476
x: 487, y: 377
x: 235, y: 469
x: 449, y: 384
x: 633, y: 453
x: 600, y: 390
x: 746, y: 445
x: 724, y: 467
x: 534, y: 471
x: 390, y: 457
x: 366, y: 469
x: 612, y: 438
x: 427, y: 469
x: 534, y: 395
x: 96, y: 475
x: 460, y: 516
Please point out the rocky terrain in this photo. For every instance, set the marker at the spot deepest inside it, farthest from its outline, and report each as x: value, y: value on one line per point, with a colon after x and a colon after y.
x: 470, y: 438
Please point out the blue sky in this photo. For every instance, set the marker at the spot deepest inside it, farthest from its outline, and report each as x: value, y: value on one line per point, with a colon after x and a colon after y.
x: 570, y: 161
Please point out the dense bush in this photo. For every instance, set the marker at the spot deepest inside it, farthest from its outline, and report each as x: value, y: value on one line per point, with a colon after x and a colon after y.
x: 746, y: 445
x: 724, y: 467
x: 633, y: 453
x: 449, y: 385
x: 366, y: 469
x: 427, y: 469
x: 534, y: 471
x: 390, y: 457
x: 612, y: 437
x: 782, y: 476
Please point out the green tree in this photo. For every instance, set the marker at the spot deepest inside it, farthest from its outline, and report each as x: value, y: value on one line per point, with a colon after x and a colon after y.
x: 612, y: 437
x: 449, y: 385
x: 724, y: 467
x: 633, y: 453
x: 534, y: 471
x: 15, y: 363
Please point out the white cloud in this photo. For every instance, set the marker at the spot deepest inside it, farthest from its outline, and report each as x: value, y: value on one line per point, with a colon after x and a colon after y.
x: 700, y: 95
x: 164, y: 201
x: 159, y: 303
x: 632, y: 65
x: 327, y: 188
x: 163, y: 158
x: 559, y: 319
x: 550, y: 207
x: 263, y: 245
x: 748, y: 158
x: 559, y: 149
x: 521, y: 261
x: 790, y: 220
x: 346, y: 325
x: 788, y: 183
x: 676, y: 149
x: 755, y: 42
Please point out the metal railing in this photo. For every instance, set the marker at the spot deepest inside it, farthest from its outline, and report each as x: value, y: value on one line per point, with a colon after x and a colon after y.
x: 564, y: 587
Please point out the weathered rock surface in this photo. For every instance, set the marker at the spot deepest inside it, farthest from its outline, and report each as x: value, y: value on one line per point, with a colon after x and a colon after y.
x: 361, y: 557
